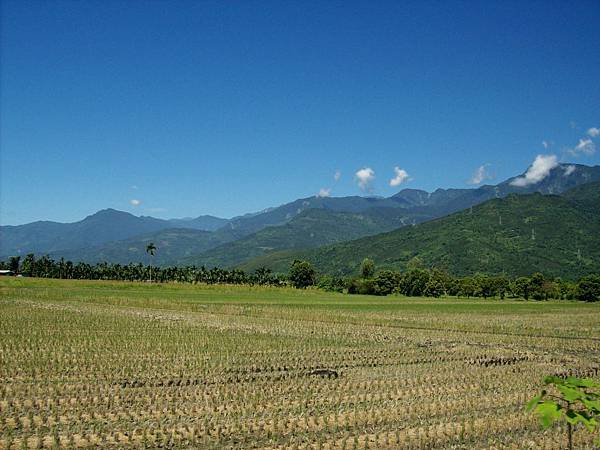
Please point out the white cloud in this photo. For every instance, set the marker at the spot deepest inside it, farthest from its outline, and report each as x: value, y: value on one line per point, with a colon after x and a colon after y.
x: 324, y: 192
x: 365, y: 177
x: 401, y: 177
x: 584, y: 147
x: 546, y: 144
x: 337, y: 175
x: 569, y: 170
x: 593, y: 132
x: 480, y: 175
x: 135, y: 202
x: 540, y: 169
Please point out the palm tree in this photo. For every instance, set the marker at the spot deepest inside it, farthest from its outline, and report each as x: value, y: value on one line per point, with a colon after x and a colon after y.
x: 150, y: 248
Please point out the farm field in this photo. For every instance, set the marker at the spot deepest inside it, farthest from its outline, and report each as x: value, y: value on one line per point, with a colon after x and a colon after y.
x: 130, y: 365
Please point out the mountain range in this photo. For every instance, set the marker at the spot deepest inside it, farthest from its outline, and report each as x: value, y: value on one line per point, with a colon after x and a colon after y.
x: 302, y: 226
x: 515, y: 235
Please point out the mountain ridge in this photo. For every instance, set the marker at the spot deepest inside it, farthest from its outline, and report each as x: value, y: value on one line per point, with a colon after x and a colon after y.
x: 515, y: 235
x: 415, y: 206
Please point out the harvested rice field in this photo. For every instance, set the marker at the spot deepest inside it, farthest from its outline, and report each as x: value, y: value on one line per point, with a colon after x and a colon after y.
x: 131, y: 365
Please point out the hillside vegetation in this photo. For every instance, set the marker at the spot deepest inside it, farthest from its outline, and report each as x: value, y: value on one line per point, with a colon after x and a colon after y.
x: 172, y: 242
x: 116, y: 236
x: 313, y: 228
x: 517, y: 235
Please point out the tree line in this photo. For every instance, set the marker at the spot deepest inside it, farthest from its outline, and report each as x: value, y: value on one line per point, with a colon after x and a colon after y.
x: 414, y: 282
x: 418, y: 281
x: 46, y: 267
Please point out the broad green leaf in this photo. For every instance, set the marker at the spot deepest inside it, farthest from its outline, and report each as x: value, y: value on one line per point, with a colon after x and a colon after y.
x: 592, y: 405
x: 533, y: 402
x: 553, y: 380
x: 582, y: 382
x: 570, y: 394
x: 575, y: 417
x: 549, y: 412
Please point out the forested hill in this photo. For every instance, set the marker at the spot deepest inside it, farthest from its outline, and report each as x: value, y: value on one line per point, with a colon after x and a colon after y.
x: 310, y: 229
x: 516, y: 235
x: 117, y: 236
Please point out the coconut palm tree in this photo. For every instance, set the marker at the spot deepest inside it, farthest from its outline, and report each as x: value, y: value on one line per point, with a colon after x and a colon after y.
x: 150, y: 249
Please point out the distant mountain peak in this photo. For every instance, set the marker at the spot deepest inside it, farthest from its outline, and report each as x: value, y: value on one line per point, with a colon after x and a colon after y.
x: 408, y: 206
x: 109, y: 212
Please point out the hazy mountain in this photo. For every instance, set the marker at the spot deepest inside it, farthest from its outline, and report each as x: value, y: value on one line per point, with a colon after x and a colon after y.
x: 248, y: 224
x: 205, y: 223
x: 311, y: 228
x: 445, y: 201
x: 172, y: 244
x: 516, y: 235
x: 413, y: 206
x: 105, y: 226
x: 418, y: 205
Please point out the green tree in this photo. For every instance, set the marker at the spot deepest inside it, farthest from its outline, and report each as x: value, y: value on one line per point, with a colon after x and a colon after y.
x: 262, y: 275
x: 501, y: 285
x: 413, y: 282
x: 568, y: 290
x: 588, y: 288
x: 302, y: 274
x: 484, y: 285
x: 13, y: 263
x: 28, y: 265
x: 435, y: 285
x: 386, y: 282
x: 536, y: 289
x: 151, y: 249
x: 367, y: 268
x: 332, y: 283
x: 467, y: 287
x: 521, y: 287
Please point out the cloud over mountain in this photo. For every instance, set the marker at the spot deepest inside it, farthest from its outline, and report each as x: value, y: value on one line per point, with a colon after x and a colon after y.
x: 324, y: 192
x: 585, y: 147
x: 401, y: 177
x: 480, y: 175
x: 539, y: 169
x: 364, y: 178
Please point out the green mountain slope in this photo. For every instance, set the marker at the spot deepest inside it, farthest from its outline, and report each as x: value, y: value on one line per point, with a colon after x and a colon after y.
x: 204, y: 223
x: 172, y: 243
x: 415, y: 206
x: 517, y: 235
x: 586, y: 196
x: 311, y: 228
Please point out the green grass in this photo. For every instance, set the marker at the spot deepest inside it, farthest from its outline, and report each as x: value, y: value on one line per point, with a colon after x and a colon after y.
x: 128, y: 365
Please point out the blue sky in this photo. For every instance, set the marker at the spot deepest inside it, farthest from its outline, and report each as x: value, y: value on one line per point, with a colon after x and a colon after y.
x: 230, y: 107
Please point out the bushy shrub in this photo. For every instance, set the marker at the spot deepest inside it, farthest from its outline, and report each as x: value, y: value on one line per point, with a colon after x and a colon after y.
x: 367, y: 268
x: 386, y: 282
x: 332, y: 284
x: 302, y: 274
x: 413, y: 282
x: 588, y: 288
x: 361, y: 287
